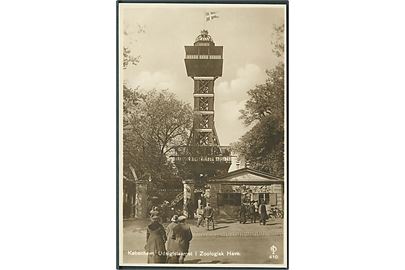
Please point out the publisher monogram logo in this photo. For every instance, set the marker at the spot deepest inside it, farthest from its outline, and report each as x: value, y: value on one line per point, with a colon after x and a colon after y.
x: 273, y: 250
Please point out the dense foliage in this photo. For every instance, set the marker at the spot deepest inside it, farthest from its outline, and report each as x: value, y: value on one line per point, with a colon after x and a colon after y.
x: 263, y: 144
x: 154, y: 123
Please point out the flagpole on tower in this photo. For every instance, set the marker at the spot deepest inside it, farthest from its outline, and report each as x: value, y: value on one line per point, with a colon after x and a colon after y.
x: 209, y: 16
x: 205, y: 20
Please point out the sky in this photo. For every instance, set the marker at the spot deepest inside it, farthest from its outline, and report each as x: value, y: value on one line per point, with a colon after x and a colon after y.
x: 245, y: 31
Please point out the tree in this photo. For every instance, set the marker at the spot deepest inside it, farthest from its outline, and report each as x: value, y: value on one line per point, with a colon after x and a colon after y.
x: 128, y: 58
x: 263, y: 145
x: 266, y: 99
x: 278, y: 40
x: 154, y: 123
x: 127, y: 55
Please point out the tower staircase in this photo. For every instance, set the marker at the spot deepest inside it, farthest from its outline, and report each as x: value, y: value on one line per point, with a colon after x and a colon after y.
x: 176, y: 200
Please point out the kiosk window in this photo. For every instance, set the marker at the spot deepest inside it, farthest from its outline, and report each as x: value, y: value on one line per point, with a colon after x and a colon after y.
x: 265, y: 197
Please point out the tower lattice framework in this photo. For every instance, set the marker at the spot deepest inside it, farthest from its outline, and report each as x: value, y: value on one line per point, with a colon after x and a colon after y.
x: 203, y: 156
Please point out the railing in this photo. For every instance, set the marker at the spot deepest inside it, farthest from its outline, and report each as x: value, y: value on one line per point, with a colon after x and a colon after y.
x: 177, y: 199
x: 202, y: 159
x: 203, y: 56
x: 203, y: 150
x: 211, y: 153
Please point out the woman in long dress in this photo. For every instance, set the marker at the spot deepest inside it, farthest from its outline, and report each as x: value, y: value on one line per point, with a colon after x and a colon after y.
x: 155, y: 241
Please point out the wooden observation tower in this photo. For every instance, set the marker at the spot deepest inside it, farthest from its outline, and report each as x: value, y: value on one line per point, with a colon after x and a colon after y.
x: 203, y: 157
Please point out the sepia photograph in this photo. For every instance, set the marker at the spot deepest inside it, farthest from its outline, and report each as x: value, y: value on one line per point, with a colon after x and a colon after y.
x: 167, y: 134
x: 202, y: 135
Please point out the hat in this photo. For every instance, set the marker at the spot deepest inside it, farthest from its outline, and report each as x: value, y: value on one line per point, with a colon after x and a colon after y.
x: 175, y: 218
x: 154, y: 218
x: 181, y: 218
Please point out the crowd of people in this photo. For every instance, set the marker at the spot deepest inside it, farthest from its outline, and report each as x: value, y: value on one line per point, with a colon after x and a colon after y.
x: 171, y: 244
x: 205, y: 214
x: 253, y: 211
x: 168, y: 245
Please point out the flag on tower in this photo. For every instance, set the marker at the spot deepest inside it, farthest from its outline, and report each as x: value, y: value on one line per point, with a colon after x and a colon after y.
x: 209, y: 16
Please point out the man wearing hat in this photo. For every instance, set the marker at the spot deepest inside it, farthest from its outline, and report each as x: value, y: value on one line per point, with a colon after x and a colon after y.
x: 172, y: 245
x: 154, y: 211
x: 182, y: 235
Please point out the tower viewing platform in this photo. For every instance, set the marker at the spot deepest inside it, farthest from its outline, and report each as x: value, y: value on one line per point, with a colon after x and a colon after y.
x: 204, y: 59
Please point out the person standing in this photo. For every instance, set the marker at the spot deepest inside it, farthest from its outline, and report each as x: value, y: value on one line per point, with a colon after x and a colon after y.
x: 209, y: 216
x: 263, y: 213
x: 182, y: 235
x: 252, y: 212
x: 172, y: 246
x: 256, y: 204
x: 155, y: 241
x: 200, y: 215
x: 190, y: 210
x: 242, y: 213
x: 165, y: 209
x: 199, y: 202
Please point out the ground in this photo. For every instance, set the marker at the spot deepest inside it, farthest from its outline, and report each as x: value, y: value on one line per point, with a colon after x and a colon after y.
x: 230, y: 242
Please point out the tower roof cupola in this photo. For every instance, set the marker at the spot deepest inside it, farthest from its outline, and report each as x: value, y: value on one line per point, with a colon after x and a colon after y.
x: 204, y: 38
